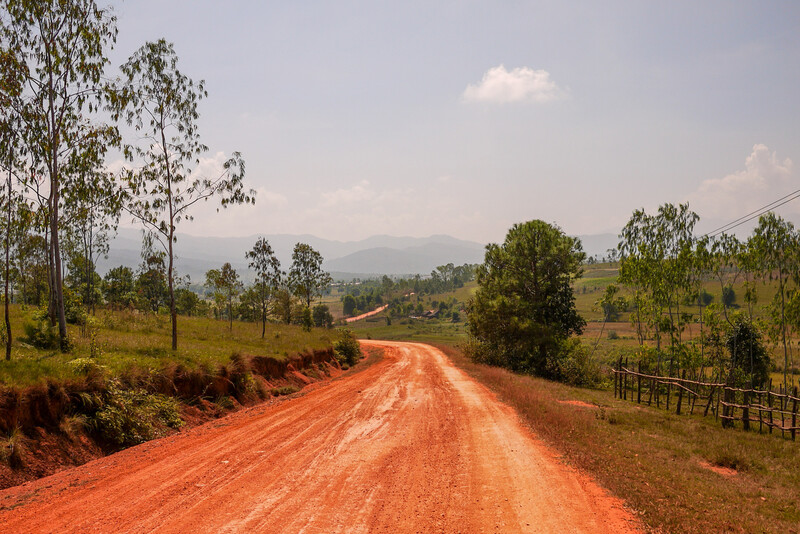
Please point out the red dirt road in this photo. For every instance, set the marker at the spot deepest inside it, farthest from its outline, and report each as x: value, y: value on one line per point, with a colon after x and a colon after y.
x: 410, y: 444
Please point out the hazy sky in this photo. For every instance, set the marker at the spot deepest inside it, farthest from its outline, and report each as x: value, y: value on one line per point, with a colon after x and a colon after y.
x: 418, y: 118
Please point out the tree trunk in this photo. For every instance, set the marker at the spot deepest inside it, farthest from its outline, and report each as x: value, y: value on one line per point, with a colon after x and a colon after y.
x: 59, y: 280
x: 7, y: 269
x: 173, y: 313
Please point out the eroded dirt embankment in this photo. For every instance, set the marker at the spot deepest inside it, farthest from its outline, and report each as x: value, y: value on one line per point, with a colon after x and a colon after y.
x: 47, y: 439
x: 409, y: 444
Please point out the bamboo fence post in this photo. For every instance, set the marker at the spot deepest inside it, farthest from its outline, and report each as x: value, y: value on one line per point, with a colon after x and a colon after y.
x: 639, y: 384
x: 746, y: 409
x: 769, y: 403
x: 710, y: 400
x: 760, y: 413
x: 794, y: 414
x: 680, y: 394
x: 625, y: 380
x: 783, y: 408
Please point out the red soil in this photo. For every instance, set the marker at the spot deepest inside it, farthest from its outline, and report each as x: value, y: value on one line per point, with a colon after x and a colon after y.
x: 376, y: 311
x: 410, y: 444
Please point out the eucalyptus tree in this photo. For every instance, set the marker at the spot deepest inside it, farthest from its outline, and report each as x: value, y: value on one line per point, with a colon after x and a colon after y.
x: 639, y: 260
x: 160, y: 103
x: 306, y: 276
x: 91, y: 216
x: 775, y: 244
x: 268, y: 277
x: 10, y: 88
x: 61, y: 49
x: 725, y: 265
x: 657, y: 260
x: 226, y: 286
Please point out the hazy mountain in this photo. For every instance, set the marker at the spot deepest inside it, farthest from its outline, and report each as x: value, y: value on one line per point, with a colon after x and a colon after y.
x: 378, y: 254
x: 420, y: 259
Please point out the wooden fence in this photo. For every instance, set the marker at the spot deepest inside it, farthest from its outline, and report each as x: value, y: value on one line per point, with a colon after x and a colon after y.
x: 773, y: 410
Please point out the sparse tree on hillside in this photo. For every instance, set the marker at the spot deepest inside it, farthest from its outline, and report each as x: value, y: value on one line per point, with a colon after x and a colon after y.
x: 226, y: 285
x: 160, y: 102
x: 306, y: 277
x: 348, y: 304
x: 268, y: 276
x: 119, y: 288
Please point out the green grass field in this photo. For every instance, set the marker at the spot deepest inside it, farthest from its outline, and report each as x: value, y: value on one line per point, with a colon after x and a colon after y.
x: 128, y: 340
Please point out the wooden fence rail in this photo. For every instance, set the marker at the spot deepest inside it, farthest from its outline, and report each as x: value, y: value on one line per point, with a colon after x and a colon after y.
x: 773, y: 410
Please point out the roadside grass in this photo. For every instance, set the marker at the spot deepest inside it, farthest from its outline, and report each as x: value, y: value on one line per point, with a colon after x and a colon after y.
x: 129, y: 341
x: 659, y: 463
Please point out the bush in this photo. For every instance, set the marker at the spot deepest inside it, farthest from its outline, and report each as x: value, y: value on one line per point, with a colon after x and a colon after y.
x: 11, y: 448
x: 39, y: 333
x: 322, y: 316
x: 748, y: 353
x: 74, y: 312
x: 347, y: 349
x: 130, y: 417
x: 574, y: 366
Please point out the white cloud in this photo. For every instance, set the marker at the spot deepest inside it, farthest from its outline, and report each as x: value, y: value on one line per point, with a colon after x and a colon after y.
x: 764, y: 179
x: 522, y: 84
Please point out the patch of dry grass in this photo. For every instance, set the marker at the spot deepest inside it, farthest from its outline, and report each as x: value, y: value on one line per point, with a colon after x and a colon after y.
x: 659, y: 462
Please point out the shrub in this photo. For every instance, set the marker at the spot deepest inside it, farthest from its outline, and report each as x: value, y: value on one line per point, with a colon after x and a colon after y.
x: 347, y: 349
x: 11, y: 448
x: 130, y: 417
x: 612, y: 334
x: 322, y: 316
x: 576, y: 367
x: 39, y: 333
x: 748, y: 353
x: 74, y: 312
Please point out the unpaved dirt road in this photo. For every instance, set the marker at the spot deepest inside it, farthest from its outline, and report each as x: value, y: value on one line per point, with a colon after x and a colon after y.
x: 410, y: 444
x: 376, y: 311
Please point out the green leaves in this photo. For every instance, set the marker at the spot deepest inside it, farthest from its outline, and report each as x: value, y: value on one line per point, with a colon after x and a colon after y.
x: 306, y: 277
x: 524, y: 309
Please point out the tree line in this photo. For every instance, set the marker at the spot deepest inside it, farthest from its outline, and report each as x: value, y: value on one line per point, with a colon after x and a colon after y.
x: 665, y: 267
x: 523, y: 315
x: 62, y: 115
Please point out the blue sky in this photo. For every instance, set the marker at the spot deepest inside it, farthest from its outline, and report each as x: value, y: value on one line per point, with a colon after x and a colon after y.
x: 418, y: 118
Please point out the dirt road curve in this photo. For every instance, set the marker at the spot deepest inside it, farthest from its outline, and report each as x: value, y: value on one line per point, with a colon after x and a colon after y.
x: 376, y: 311
x: 410, y: 444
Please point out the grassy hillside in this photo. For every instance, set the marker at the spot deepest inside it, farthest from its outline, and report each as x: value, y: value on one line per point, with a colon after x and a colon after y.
x: 124, y: 341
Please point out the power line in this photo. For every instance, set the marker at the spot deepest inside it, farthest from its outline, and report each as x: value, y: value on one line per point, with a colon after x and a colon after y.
x: 753, y: 214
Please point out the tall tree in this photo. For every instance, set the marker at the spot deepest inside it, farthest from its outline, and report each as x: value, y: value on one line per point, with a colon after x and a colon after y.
x: 62, y: 45
x: 226, y: 286
x: 268, y: 276
x: 160, y: 102
x: 524, y: 308
x: 776, y: 243
x: 306, y: 276
x: 11, y: 80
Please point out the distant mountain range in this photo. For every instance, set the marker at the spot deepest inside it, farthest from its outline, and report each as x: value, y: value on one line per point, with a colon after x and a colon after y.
x: 374, y: 256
